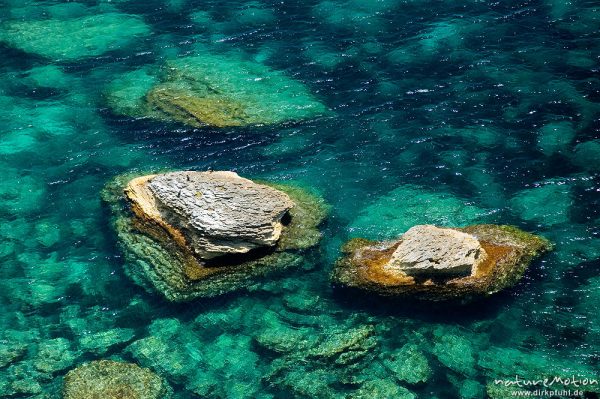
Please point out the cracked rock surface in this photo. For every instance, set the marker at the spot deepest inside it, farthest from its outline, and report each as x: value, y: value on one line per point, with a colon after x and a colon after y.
x: 428, y: 250
x: 220, y: 212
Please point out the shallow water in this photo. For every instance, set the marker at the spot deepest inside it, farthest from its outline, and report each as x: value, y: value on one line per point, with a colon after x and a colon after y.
x: 440, y: 112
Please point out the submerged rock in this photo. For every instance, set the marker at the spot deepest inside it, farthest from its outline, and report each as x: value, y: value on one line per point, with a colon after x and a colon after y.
x: 409, y: 365
x: 440, y: 263
x: 211, y: 90
x: 73, y: 38
x: 201, y: 234
x: 410, y: 205
x: 113, y: 380
x: 54, y: 355
x: 382, y: 389
x: 104, y: 341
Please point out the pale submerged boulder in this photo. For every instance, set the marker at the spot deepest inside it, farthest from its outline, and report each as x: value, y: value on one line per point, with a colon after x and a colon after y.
x: 213, y: 90
x: 73, y: 38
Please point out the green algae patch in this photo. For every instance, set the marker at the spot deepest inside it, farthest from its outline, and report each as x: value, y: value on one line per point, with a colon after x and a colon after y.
x: 74, y: 38
x: 108, y: 379
x: 156, y: 261
x: 308, y: 213
x: 509, y: 251
x: 214, y: 90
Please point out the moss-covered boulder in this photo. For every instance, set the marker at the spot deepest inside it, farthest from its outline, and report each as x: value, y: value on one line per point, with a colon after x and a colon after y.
x: 202, y: 234
x: 106, y: 379
x: 213, y: 90
x: 503, y: 253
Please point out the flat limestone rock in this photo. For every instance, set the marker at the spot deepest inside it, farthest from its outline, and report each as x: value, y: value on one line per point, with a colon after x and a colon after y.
x: 107, y: 379
x: 220, y: 212
x: 388, y: 268
x: 426, y: 250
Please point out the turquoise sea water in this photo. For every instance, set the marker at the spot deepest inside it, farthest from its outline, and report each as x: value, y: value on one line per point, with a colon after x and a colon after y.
x: 438, y: 112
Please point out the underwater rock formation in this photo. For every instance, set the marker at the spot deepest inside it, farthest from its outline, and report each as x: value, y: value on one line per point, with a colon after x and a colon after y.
x: 410, y: 205
x: 201, y: 234
x: 73, y: 38
x: 114, y: 380
x: 211, y: 90
x: 494, y: 257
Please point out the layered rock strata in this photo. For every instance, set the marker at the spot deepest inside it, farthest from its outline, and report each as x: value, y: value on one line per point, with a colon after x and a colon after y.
x: 200, y: 234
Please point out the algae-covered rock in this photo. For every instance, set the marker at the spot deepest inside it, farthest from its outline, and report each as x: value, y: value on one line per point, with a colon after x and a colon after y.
x: 163, y: 356
x: 305, y: 383
x: 73, y: 38
x: 345, y: 347
x: 278, y: 336
x: 105, y: 379
x: 11, y: 352
x: 54, y: 355
x: 201, y: 234
x: 103, y: 341
x: 454, y: 352
x: 214, y: 90
x: 409, y: 365
x: 200, y: 364
x: 126, y: 95
x: 508, y: 252
x: 326, y: 356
